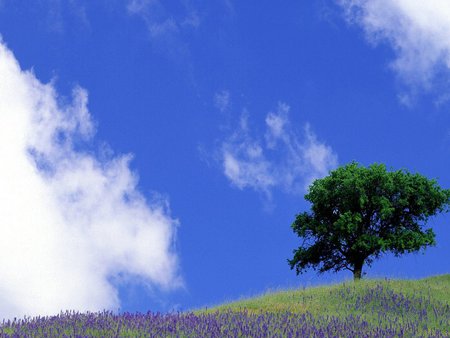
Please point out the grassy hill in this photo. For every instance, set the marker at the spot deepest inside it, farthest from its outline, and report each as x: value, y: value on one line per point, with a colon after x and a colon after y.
x: 418, y: 306
x: 350, y: 297
x: 368, y: 308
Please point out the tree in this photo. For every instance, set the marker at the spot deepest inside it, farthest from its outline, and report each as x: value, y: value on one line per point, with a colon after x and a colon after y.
x: 360, y: 213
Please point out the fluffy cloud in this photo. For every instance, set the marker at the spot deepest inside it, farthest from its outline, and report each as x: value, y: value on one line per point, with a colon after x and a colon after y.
x: 282, y: 159
x: 70, y: 221
x: 417, y: 30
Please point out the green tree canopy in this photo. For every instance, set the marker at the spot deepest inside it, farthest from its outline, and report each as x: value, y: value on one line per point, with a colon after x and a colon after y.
x: 358, y: 213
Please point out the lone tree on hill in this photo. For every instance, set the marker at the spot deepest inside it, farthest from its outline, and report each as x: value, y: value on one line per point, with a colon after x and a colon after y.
x: 359, y: 213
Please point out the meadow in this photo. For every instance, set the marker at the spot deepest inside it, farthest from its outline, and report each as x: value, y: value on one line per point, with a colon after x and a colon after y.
x: 366, y: 308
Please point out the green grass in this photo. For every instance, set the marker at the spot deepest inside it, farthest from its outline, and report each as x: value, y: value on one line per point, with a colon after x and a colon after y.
x: 326, y: 299
x: 426, y: 301
x: 367, y: 308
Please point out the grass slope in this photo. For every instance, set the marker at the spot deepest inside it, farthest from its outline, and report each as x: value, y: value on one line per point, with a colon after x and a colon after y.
x: 379, y: 302
x: 368, y: 308
x: 333, y: 299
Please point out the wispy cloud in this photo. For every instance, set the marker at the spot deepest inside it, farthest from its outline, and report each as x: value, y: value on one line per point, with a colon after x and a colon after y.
x: 70, y: 221
x: 165, y: 28
x: 283, y: 158
x: 244, y: 162
x: 222, y: 100
x: 417, y: 31
x: 229, y: 7
x: 56, y: 16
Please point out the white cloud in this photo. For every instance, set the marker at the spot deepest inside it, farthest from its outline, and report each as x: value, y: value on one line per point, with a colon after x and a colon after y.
x: 283, y: 161
x: 417, y: 30
x: 69, y: 221
x: 244, y: 162
x: 276, y: 125
x: 318, y: 158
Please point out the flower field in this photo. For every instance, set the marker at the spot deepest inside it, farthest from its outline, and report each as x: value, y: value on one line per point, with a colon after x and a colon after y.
x: 363, y: 309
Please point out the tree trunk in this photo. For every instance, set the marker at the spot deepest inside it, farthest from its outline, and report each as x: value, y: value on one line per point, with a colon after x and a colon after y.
x: 357, y: 270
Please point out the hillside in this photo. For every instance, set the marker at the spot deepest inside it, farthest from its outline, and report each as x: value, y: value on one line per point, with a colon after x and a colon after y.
x: 420, y: 306
x: 349, y: 296
x: 368, y: 308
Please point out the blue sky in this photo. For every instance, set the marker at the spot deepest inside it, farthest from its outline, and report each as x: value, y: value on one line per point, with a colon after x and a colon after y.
x: 155, y: 153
